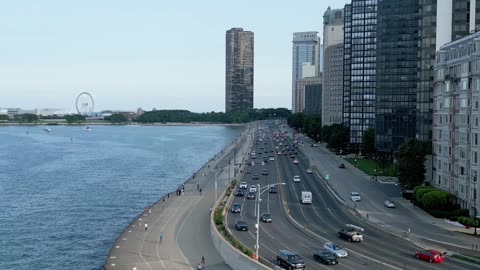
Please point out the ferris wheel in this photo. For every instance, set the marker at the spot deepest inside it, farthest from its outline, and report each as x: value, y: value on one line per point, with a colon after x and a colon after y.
x: 84, y: 104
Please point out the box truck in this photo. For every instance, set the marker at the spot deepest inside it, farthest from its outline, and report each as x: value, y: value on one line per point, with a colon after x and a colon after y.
x: 306, y: 197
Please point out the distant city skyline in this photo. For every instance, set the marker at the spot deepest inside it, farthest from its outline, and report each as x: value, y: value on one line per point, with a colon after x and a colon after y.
x: 151, y: 54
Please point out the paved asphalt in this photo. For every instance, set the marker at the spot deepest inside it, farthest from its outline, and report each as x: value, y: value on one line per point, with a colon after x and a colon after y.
x: 373, y: 194
x: 183, y: 221
x: 305, y: 228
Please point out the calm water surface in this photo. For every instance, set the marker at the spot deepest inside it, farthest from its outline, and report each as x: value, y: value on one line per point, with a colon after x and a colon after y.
x: 66, y: 195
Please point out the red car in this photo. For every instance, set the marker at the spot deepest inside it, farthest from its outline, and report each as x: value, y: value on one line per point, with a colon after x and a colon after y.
x: 430, y: 255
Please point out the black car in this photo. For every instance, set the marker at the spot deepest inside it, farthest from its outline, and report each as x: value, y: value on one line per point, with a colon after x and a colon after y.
x: 241, y: 226
x: 239, y: 194
x: 342, y: 166
x: 289, y: 260
x: 251, y: 196
x: 255, y: 177
x: 325, y: 257
x: 272, y: 190
x: 236, y: 208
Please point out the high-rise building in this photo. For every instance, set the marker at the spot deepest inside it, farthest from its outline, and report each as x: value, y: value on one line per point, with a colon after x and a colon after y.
x: 305, y: 50
x: 300, y: 97
x: 313, y: 99
x: 239, y: 70
x: 396, y: 73
x: 426, y: 43
x: 456, y: 117
x: 359, y: 67
x: 332, y: 92
x: 458, y: 19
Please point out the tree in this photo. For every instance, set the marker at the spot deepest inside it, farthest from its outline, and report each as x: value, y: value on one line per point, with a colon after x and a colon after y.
x: 368, y: 142
x: 3, y: 117
x: 117, y: 118
x: 74, y: 118
x: 296, y: 120
x: 27, y: 117
x: 411, y: 163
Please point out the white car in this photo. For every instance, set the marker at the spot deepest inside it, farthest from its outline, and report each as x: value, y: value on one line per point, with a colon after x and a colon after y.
x: 355, y: 196
x: 243, y: 185
x: 389, y: 204
x: 296, y: 178
x: 336, y: 249
x: 295, y: 161
x: 309, y: 171
x: 272, y: 158
x: 252, y: 188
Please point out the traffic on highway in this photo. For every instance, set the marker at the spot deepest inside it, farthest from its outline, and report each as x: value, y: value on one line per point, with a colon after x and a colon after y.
x: 302, y: 225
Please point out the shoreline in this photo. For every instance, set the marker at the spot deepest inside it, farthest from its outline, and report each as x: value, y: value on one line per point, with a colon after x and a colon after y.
x: 165, y: 199
x: 128, y: 124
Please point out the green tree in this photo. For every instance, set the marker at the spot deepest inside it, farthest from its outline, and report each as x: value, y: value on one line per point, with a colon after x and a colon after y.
x: 368, y: 142
x: 75, y: 118
x: 296, y: 120
x: 411, y: 163
x: 117, y: 118
x: 27, y: 118
x: 3, y: 117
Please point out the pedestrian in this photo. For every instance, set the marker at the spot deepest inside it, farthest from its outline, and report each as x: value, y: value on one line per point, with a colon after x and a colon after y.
x: 139, y: 221
x: 149, y: 211
x: 200, y: 191
x: 198, y: 186
x: 146, y: 226
x: 168, y: 195
x: 161, y: 237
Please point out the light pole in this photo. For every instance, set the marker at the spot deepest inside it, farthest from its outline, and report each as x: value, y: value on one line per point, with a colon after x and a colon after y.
x: 260, y: 191
x: 215, y: 177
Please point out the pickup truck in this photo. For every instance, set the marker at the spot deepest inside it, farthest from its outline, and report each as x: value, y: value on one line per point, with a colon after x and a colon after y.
x: 351, y: 235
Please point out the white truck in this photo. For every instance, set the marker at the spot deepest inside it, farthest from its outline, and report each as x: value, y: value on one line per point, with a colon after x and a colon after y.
x: 306, y: 197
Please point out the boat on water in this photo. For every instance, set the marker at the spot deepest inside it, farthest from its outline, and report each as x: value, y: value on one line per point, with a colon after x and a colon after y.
x: 87, y: 128
x: 47, y: 129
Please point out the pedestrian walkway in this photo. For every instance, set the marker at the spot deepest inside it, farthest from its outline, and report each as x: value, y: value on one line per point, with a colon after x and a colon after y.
x: 183, y: 220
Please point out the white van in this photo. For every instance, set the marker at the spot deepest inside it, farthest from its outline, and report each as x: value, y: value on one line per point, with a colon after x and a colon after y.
x: 306, y: 197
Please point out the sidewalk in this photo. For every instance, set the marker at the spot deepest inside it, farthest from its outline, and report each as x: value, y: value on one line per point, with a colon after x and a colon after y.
x: 176, y: 217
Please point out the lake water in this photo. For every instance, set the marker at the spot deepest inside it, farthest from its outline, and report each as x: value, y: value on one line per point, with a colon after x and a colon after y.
x: 66, y: 195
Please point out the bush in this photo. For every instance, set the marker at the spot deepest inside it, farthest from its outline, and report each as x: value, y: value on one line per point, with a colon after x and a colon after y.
x: 436, y: 199
x: 419, y: 191
x: 468, y: 221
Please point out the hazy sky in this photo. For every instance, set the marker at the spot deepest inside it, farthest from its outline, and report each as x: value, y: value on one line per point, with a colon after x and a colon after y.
x: 130, y: 54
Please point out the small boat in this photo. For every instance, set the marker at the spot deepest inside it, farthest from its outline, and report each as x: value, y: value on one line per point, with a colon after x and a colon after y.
x: 47, y: 129
x: 87, y: 128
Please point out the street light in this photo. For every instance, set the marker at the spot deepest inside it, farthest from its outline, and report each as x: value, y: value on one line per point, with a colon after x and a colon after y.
x: 215, y: 177
x: 260, y: 192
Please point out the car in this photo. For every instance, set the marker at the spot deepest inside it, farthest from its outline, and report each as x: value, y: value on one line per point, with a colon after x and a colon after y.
x: 430, y: 255
x: 251, y: 196
x: 272, y: 190
x: 253, y: 188
x: 295, y: 161
x: 355, y: 196
x: 342, y: 166
x: 241, y: 226
x: 265, y: 172
x: 335, y: 249
x: 309, y: 171
x: 239, y: 193
x: 279, y: 153
x: 266, y: 217
x: 325, y: 257
x: 243, y: 185
x: 255, y: 177
x: 253, y: 163
x: 236, y: 208
x: 254, y: 157
x: 389, y: 204
x: 272, y: 158
x: 350, y: 234
x: 289, y: 260
x: 296, y: 178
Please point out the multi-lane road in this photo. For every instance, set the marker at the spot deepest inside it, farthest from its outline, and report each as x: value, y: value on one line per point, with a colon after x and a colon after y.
x: 304, y: 229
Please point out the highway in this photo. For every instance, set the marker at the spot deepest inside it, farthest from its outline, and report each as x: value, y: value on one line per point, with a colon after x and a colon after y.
x: 305, y: 228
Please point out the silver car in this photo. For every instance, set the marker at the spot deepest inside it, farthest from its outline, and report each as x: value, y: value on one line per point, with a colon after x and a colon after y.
x: 389, y: 204
x: 336, y: 249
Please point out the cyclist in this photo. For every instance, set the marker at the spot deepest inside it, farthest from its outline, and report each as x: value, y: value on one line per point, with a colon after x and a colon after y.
x: 210, y: 210
x: 161, y: 237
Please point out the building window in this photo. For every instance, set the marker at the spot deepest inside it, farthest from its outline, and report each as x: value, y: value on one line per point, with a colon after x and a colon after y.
x: 474, y: 157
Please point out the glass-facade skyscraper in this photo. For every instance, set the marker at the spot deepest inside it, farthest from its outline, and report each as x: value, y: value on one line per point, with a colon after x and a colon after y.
x: 239, y: 70
x: 359, y: 67
x: 396, y: 89
x: 306, y: 49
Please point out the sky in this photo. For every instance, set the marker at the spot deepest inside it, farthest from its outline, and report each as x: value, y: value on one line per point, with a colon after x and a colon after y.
x: 149, y: 54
